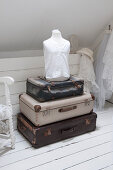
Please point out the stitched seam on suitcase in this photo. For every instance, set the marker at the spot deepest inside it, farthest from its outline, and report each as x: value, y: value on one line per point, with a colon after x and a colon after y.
x: 56, y: 107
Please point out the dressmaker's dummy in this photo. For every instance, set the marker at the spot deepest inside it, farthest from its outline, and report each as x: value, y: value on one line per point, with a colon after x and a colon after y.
x: 56, y: 51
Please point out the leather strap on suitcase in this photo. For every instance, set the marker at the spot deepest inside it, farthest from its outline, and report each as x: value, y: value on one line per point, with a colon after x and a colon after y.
x: 52, y: 83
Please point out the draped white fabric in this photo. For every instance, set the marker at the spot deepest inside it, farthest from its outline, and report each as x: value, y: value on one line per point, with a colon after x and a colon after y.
x: 87, y: 73
x: 101, y: 70
x: 108, y: 65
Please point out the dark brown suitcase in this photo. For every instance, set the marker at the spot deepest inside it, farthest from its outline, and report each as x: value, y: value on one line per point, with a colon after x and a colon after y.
x: 48, y: 134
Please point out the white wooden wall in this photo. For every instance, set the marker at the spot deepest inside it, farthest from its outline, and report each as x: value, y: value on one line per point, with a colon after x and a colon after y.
x: 22, y: 68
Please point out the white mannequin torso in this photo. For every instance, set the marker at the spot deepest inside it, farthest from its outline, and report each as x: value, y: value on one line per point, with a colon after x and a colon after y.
x: 56, y: 51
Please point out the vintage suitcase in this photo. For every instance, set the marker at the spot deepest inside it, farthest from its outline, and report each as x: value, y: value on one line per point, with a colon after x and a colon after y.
x: 48, y: 134
x: 43, y: 90
x: 52, y: 111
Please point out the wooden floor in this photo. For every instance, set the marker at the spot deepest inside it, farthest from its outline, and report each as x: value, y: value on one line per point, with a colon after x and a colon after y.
x: 90, y: 151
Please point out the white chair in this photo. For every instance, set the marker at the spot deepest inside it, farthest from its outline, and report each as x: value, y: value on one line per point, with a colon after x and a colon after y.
x: 6, y: 113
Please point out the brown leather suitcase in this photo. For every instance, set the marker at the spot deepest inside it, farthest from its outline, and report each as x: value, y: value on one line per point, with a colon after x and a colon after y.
x: 48, y: 134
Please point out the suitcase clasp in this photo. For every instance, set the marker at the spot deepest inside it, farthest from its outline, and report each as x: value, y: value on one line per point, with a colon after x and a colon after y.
x: 47, y: 132
x: 46, y: 112
x: 87, y: 102
x: 87, y: 121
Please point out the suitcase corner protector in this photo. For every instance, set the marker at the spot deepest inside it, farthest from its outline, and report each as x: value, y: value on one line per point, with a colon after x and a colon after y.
x: 34, y: 131
x: 93, y: 97
x: 37, y: 108
x: 20, y: 95
x: 33, y: 141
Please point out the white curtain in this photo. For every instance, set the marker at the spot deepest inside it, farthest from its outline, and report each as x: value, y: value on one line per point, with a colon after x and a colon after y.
x: 108, y: 66
x: 100, y: 68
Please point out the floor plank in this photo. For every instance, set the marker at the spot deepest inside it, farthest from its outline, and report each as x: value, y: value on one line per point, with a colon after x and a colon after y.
x: 90, y: 151
x: 101, y: 128
x: 100, y: 162
x: 52, y: 160
x: 23, y: 144
x: 109, y: 167
x: 32, y: 154
x: 75, y: 159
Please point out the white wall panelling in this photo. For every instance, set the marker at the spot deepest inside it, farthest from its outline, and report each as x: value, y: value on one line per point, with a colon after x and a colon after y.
x: 21, y: 53
x: 22, y: 68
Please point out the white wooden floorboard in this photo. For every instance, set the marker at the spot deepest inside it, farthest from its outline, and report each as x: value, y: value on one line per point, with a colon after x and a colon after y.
x: 93, y: 164
x: 100, y: 130
x: 61, y: 158
x: 106, y: 119
x: 22, y: 144
x: 75, y: 158
x: 28, y: 159
x: 109, y: 167
x: 78, y: 152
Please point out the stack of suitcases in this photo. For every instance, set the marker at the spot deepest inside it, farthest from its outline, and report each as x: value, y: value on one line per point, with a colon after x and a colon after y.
x: 54, y: 111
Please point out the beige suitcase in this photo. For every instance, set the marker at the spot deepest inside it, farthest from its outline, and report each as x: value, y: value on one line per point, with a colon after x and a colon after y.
x: 52, y: 111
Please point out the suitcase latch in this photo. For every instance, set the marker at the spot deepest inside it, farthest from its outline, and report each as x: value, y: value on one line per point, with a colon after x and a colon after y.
x: 46, y: 112
x: 87, y: 103
x: 47, y: 132
x: 87, y: 121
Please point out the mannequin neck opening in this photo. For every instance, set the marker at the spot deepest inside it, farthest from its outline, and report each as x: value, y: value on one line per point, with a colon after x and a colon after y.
x: 56, y: 35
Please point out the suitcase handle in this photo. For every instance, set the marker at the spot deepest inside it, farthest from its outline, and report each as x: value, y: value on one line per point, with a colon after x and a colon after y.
x: 70, y: 130
x: 66, y: 109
